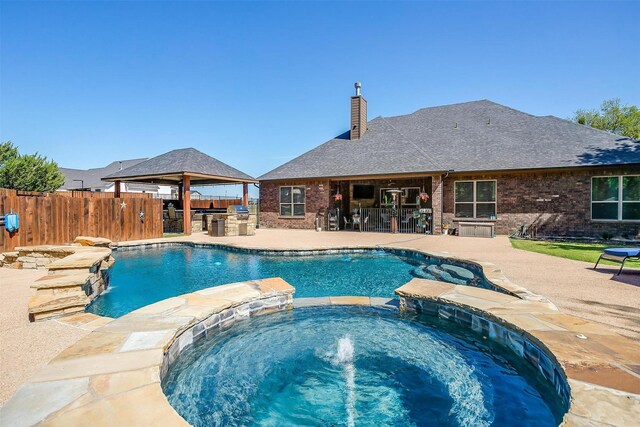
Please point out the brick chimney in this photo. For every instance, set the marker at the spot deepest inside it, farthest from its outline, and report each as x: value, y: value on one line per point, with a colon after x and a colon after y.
x: 358, y: 114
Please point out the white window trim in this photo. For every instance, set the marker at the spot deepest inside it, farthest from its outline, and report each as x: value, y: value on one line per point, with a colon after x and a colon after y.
x: 280, y: 203
x: 475, y: 202
x: 619, y: 202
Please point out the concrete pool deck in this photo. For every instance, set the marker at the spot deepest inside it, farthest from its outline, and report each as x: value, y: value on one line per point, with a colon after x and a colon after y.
x: 572, y: 285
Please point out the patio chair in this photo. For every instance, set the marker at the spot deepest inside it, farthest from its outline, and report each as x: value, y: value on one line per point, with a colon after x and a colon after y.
x: 364, y: 222
x: 173, y: 218
x: 347, y: 223
x: 406, y: 223
x: 332, y: 219
x: 386, y: 220
x: 620, y: 255
x: 407, y: 219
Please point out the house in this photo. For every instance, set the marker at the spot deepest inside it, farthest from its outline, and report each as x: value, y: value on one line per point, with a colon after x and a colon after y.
x: 91, y: 180
x: 477, y: 162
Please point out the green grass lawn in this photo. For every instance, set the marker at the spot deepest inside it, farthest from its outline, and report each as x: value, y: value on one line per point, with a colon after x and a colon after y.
x: 172, y: 234
x: 588, y: 252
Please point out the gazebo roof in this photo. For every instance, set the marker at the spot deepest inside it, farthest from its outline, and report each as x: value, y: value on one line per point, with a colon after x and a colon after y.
x: 170, y: 168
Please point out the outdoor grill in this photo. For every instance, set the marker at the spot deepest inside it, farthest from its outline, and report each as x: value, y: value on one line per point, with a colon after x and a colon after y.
x: 242, y: 212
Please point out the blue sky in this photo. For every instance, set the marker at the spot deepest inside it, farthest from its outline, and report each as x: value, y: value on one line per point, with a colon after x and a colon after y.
x: 257, y: 83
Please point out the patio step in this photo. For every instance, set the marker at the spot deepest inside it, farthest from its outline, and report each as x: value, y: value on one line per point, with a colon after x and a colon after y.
x: 436, y: 272
x: 43, y: 307
x: 73, y: 283
x: 85, y: 260
x: 444, y: 275
x: 93, y: 241
x: 460, y: 272
x: 9, y: 259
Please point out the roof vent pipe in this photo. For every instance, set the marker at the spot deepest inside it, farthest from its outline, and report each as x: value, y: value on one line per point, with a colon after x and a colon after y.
x: 120, y: 165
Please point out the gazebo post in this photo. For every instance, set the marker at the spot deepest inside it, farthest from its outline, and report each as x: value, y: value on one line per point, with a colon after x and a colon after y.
x: 245, y: 193
x: 186, y: 204
x: 116, y: 189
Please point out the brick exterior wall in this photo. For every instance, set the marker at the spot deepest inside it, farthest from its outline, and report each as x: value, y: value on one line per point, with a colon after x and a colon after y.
x: 522, y: 198
x: 317, y: 197
x: 558, y: 202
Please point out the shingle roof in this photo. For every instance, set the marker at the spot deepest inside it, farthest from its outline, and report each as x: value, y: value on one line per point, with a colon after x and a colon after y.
x: 472, y: 136
x: 92, y: 178
x: 181, y: 161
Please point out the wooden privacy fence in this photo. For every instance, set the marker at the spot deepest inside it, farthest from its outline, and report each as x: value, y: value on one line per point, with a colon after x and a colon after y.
x: 217, y: 204
x: 50, y: 219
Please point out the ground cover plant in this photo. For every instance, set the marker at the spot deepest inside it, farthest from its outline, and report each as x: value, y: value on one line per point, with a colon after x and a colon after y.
x: 588, y: 252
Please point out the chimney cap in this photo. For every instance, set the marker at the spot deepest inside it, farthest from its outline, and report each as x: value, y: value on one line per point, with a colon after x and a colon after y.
x: 357, y: 85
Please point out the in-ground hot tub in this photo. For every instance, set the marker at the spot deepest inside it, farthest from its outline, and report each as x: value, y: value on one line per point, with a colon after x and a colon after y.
x: 351, y: 366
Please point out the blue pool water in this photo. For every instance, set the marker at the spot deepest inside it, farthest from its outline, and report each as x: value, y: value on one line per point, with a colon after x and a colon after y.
x: 354, y: 366
x: 144, y: 276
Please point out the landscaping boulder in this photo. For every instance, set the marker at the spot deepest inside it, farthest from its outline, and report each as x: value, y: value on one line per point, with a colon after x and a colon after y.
x: 93, y: 241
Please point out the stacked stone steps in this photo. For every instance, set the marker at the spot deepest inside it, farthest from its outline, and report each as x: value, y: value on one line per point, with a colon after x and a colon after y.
x: 73, y: 282
x: 84, y: 259
x: 47, y: 306
x: 101, y: 242
x: 9, y: 259
x: 39, y: 257
x: 78, y: 283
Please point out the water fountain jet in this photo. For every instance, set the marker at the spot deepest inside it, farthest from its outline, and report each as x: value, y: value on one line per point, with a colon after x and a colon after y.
x: 344, y: 357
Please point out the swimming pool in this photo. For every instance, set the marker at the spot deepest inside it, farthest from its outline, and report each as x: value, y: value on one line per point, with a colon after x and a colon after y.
x: 144, y: 276
x: 347, y: 366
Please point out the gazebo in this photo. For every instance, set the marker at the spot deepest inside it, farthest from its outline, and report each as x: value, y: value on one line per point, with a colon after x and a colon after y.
x: 183, y: 167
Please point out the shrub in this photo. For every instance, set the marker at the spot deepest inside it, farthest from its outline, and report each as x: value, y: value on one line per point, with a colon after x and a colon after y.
x: 27, y: 172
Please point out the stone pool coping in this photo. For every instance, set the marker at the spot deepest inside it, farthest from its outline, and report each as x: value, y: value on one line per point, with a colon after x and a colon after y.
x: 492, y: 273
x: 601, y: 368
x: 113, y: 375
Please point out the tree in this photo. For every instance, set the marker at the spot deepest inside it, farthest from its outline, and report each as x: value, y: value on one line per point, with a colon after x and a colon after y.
x: 612, y: 117
x: 27, y: 172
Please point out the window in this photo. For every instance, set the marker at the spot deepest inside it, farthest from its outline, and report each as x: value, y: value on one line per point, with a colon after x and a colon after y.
x: 292, y: 201
x: 615, y: 198
x: 410, y: 197
x: 475, y: 199
x: 386, y: 200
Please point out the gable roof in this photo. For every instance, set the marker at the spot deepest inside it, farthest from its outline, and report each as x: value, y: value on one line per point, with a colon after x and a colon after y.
x: 172, y: 165
x: 92, y: 178
x: 468, y: 137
